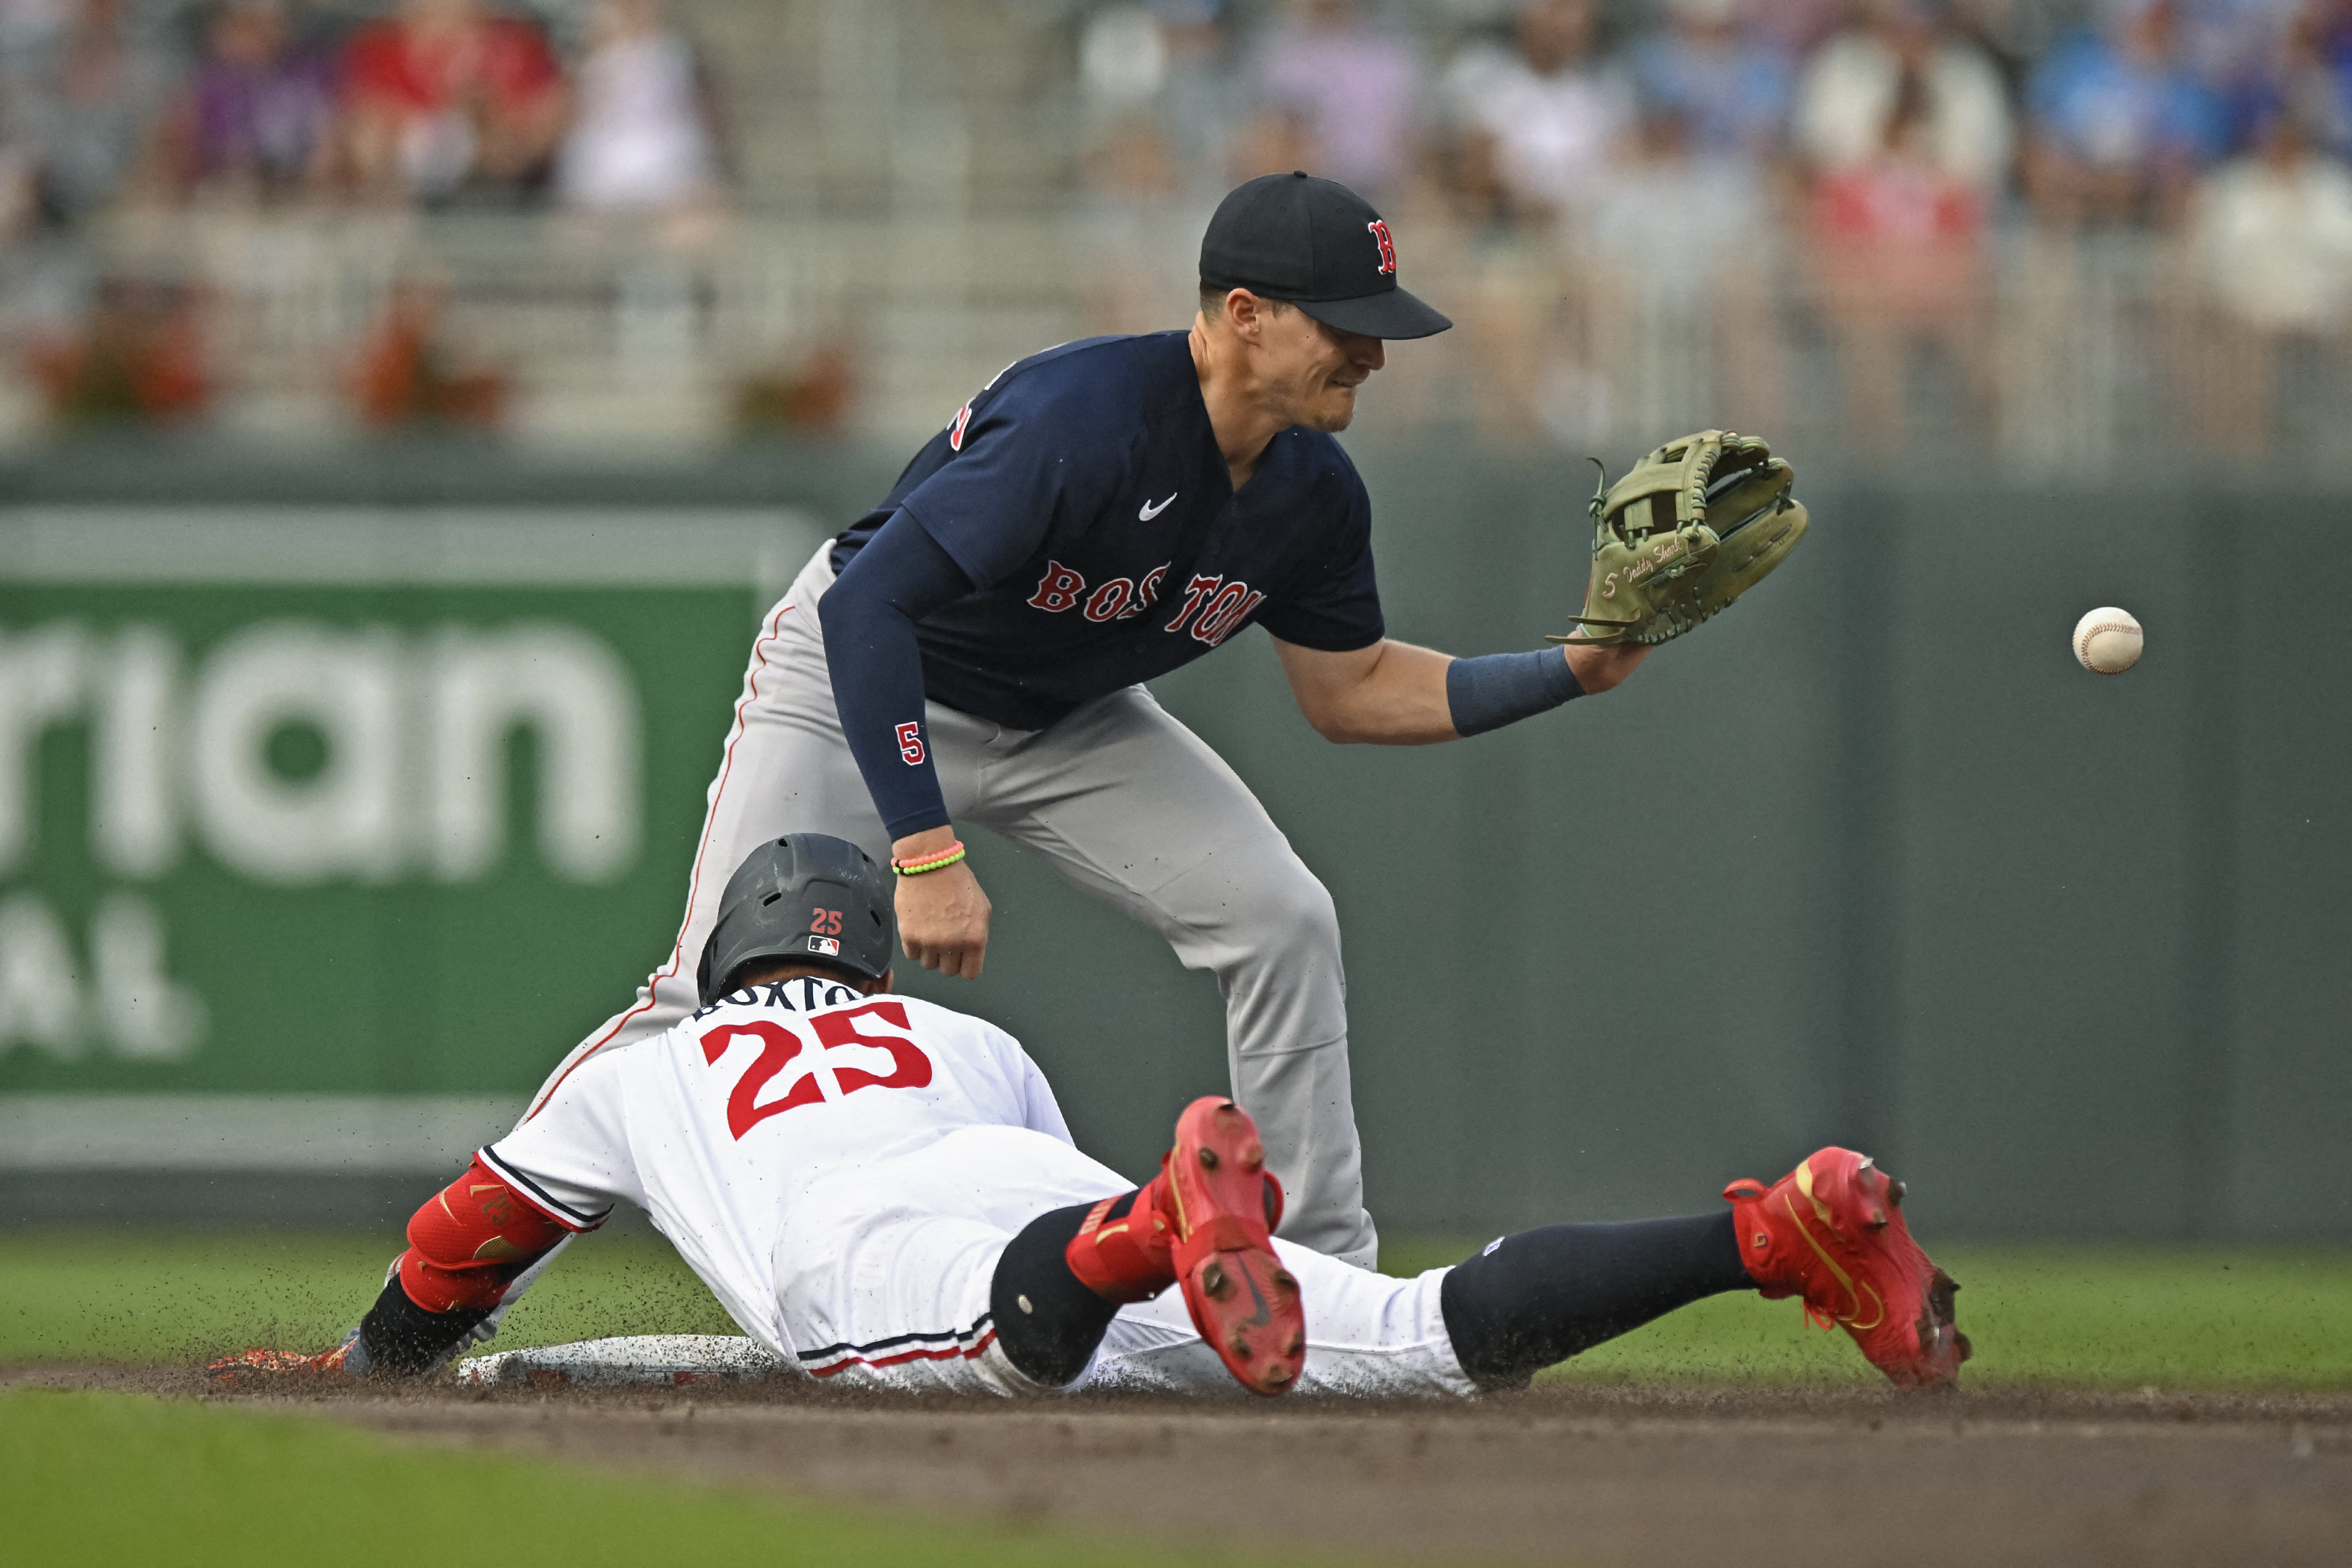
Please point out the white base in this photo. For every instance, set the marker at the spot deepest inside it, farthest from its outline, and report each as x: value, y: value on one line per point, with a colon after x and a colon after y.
x: 631, y: 1359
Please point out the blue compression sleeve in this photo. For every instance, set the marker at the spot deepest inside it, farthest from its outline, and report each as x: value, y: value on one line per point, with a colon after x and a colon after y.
x: 869, y: 616
x: 1504, y: 688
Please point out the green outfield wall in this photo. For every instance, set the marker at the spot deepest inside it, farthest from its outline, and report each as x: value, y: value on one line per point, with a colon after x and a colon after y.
x: 335, y: 804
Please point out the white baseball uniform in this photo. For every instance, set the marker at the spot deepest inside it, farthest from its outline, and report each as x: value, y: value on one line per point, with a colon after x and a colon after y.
x: 844, y: 1171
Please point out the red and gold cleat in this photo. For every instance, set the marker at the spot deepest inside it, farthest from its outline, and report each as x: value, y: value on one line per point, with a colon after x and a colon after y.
x: 1205, y: 1223
x: 1832, y: 1232
x: 258, y: 1366
x: 1223, y: 1205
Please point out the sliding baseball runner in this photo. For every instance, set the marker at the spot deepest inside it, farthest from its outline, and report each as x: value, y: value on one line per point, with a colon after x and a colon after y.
x: 881, y: 1191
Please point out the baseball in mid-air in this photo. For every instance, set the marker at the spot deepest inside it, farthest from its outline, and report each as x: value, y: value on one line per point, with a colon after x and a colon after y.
x: 2107, y: 641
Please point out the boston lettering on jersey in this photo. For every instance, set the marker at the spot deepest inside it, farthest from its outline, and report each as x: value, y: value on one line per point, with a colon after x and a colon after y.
x: 1221, y: 606
x: 1083, y: 492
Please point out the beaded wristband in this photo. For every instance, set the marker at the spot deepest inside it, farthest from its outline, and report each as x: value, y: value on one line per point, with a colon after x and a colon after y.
x: 938, y: 862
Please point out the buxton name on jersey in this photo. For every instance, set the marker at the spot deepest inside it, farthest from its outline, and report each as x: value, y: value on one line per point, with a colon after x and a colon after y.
x: 1084, y: 493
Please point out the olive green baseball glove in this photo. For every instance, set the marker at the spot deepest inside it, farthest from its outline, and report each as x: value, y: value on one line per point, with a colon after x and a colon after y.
x: 1696, y: 524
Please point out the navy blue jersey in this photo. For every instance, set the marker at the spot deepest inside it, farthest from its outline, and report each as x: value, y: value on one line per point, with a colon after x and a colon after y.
x: 1084, y: 494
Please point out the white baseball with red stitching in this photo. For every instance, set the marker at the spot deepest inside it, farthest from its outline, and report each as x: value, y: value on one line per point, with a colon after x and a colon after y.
x: 2108, y: 641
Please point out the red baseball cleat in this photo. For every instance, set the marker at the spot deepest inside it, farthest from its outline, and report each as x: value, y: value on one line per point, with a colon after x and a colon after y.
x: 1206, y: 1223
x: 1224, y: 1204
x: 1832, y: 1232
x: 268, y: 1366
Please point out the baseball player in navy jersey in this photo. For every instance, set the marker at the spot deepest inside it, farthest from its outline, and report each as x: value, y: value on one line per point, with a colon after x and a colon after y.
x: 880, y: 1191
x: 973, y: 651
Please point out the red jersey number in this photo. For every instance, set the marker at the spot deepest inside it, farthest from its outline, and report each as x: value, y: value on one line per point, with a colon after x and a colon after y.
x: 778, y: 1045
x: 910, y: 1069
x: 781, y: 1047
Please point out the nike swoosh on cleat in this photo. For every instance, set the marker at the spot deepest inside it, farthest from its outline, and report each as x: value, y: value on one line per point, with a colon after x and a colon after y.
x: 1149, y: 511
x: 1264, y: 1313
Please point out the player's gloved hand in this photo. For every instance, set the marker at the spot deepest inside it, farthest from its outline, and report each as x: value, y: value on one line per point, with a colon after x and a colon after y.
x: 1692, y: 526
x: 942, y: 915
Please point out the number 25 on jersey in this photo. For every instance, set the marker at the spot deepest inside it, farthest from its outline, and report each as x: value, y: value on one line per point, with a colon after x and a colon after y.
x: 812, y: 1076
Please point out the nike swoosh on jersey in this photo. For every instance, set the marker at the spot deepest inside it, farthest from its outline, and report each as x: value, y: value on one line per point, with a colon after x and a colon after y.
x: 1149, y: 511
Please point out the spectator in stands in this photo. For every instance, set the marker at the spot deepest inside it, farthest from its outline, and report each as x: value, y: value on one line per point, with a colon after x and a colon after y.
x: 1899, y: 255
x: 1202, y: 96
x: 1540, y: 123
x: 2228, y: 43
x: 643, y: 136
x: 257, y: 116
x: 81, y: 83
x: 1536, y: 125
x: 1160, y: 103
x: 2308, y: 72
x: 444, y: 98
x: 1338, y: 96
x: 1163, y: 101
x: 2271, y: 234
x: 1679, y: 326
x: 2119, y: 126
x: 1846, y: 100
x: 1681, y: 246
x: 1702, y: 71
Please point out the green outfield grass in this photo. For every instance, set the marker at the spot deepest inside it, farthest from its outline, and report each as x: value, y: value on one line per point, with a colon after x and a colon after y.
x: 2101, y: 1317
x: 108, y: 1479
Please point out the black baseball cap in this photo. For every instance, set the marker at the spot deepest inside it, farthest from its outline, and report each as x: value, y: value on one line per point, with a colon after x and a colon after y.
x: 1318, y: 245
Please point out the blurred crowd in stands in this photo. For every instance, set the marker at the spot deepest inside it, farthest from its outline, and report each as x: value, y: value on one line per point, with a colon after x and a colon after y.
x: 1687, y: 161
x: 1641, y: 210
x: 1883, y: 114
x: 441, y: 102
x: 111, y: 107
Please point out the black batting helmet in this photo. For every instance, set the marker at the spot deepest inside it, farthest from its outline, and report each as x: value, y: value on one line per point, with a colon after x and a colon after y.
x: 809, y: 896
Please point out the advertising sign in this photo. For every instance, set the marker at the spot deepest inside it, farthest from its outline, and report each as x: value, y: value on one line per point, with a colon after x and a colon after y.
x: 345, y: 804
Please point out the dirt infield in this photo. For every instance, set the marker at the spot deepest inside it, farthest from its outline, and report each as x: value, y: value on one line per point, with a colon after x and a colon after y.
x: 1619, y: 1476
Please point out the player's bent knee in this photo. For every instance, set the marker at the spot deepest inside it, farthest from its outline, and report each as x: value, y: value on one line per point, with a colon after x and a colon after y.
x: 470, y: 1241
x: 1295, y: 908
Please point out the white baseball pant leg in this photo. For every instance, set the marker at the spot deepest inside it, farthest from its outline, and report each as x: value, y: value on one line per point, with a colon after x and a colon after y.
x: 907, y: 1306
x: 1126, y: 804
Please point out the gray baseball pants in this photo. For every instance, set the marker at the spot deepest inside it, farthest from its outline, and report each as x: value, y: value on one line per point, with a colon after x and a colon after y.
x: 1127, y: 805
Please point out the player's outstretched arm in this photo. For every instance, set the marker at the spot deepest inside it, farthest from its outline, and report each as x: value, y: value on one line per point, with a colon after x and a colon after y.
x: 1392, y: 693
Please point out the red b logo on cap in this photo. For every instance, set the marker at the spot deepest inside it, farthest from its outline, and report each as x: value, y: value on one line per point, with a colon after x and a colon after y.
x: 1388, y: 247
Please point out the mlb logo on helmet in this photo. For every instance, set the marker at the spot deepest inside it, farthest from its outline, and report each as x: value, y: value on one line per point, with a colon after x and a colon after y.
x: 828, y: 945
